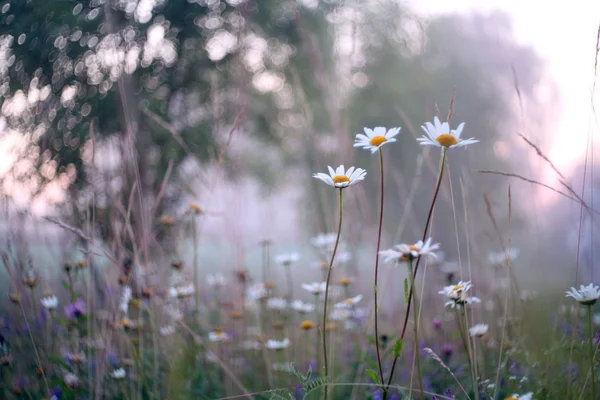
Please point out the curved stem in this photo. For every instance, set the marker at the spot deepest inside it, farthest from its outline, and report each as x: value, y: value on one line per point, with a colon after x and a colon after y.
x: 592, y: 351
x: 377, y: 267
x: 323, y: 333
x: 429, y: 216
x: 416, y: 332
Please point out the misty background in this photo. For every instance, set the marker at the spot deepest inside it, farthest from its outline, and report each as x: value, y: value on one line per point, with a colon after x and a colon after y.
x: 131, y: 110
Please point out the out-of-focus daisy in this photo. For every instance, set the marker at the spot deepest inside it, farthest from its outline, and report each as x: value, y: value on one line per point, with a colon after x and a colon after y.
x: 439, y: 134
x: 277, y: 344
x: 182, y: 291
x: 71, y: 380
x: 478, y: 330
x: 349, y: 303
x: 528, y: 295
x: 324, y: 241
x: 276, y: 303
x: 218, y: 335
x: 216, y: 280
x: 257, y: 292
x: 124, y: 304
x: 340, y: 178
x: 340, y: 314
x: 287, y: 259
x: 118, y: 374
x: 526, y: 396
x: 306, y: 325
x: 167, y: 330
x: 302, y: 307
x: 586, y: 295
x: 251, y: 345
x: 315, y: 288
x: 49, y: 302
x: 503, y: 258
x: 373, y: 139
x: 406, y: 252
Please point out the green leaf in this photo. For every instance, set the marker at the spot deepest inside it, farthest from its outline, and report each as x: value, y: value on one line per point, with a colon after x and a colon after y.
x: 373, y: 375
x: 398, y: 348
x: 374, y: 288
x: 406, y: 292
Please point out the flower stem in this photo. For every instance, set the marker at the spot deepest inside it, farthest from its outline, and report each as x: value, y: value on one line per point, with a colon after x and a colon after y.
x: 429, y: 215
x: 416, y: 328
x: 377, y: 267
x: 195, y: 266
x: 323, y: 333
x: 592, y: 351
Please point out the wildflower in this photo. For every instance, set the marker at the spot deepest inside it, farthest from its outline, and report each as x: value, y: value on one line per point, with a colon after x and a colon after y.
x: 277, y: 344
x: 15, y: 298
x: 124, y: 304
x: 349, y: 303
x: 408, y: 252
x: 49, y: 302
x: 270, y: 285
x: 457, y: 295
x: 218, y: 335
x: 167, y: 220
x: 235, y: 314
x: 302, y: 307
x: 439, y: 135
x: 242, y: 275
x: 125, y: 323
x: 340, y: 178
x: 287, y: 259
x: 276, y: 303
x: 182, y: 291
x: 586, y: 295
x: 71, y: 380
x: 340, y: 314
x: 478, y: 330
x: 216, y: 280
x: 503, y: 258
x: 437, y: 324
x: 81, y: 264
x: 257, y: 292
x: 306, y: 325
x: 526, y: 396
x: 118, y: 374
x: 375, y: 138
x: 147, y: 292
x: 195, y: 208
x: 447, y: 350
x: 166, y: 330
x: 75, y: 309
x: 345, y: 281
x: 251, y: 345
x: 315, y: 288
x: 31, y: 279
x: 324, y: 241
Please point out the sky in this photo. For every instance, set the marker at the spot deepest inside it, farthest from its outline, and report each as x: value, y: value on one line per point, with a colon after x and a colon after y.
x: 564, y: 35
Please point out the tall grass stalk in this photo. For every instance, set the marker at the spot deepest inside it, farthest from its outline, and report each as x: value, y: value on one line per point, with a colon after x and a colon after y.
x: 377, y: 267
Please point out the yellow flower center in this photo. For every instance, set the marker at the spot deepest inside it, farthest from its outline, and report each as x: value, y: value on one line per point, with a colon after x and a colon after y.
x: 306, y: 325
x: 349, y: 302
x: 457, y: 288
x: 511, y: 398
x: 345, y: 281
x: 340, y: 179
x: 446, y: 140
x: 377, y: 140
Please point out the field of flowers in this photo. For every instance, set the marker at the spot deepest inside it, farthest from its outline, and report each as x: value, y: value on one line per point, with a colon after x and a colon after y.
x: 145, y: 329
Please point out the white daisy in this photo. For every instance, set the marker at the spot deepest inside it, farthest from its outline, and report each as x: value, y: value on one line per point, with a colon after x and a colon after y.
x: 526, y: 396
x: 277, y: 344
x: 276, y: 303
x: 118, y: 374
x: 218, y: 336
x: 257, y: 292
x: 71, y: 380
x: 349, y: 303
x: 340, y: 314
x: 49, y: 302
x: 287, y: 259
x: 478, y: 330
x: 462, y: 301
x: 315, y: 288
x: 182, y: 291
x: 251, y: 345
x: 406, y: 252
x: 324, y: 241
x: 167, y: 330
x: 302, y: 307
x: 340, y: 178
x: 503, y: 258
x: 457, y: 295
x: 375, y: 138
x: 216, y: 280
x: 124, y: 304
x: 439, y: 134
x: 586, y: 295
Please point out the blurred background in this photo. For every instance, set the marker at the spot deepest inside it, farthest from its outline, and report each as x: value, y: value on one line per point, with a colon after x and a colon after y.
x: 115, y: 113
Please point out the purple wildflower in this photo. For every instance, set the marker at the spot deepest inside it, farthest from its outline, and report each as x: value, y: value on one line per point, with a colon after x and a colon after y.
x: 75, y: 309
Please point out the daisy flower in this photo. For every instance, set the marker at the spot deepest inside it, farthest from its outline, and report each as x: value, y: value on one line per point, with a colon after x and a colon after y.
x: 167, y: 330
x: 586, y: 295
x: 218, y: 335
x: 373, y: 139
x: 407, y: 252
x: 457, y: 294
x: 302, y: 307
x: 349, y: 303
x: 216, y: 280
x: 315, y: 288
x: 257, y: 292
x: 439, y: 134
x: 287, y: 259
x: 503, y: 258
x: 324, y: 241
x: 49, y: 302
x: 341, y: 178
x: 526, y: 396
x: 118, y: 374
x: 478, y: 330
x: 340, y: 314
x: 124, y: 304
x: 182, y: 291
x: 277, y: 344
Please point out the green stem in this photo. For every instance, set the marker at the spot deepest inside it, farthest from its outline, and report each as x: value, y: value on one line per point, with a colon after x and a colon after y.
x: 592, y: 351
x: 195, y: 266
x: 416, y: 328
x: 323, y: 334
x: 377, y: 267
